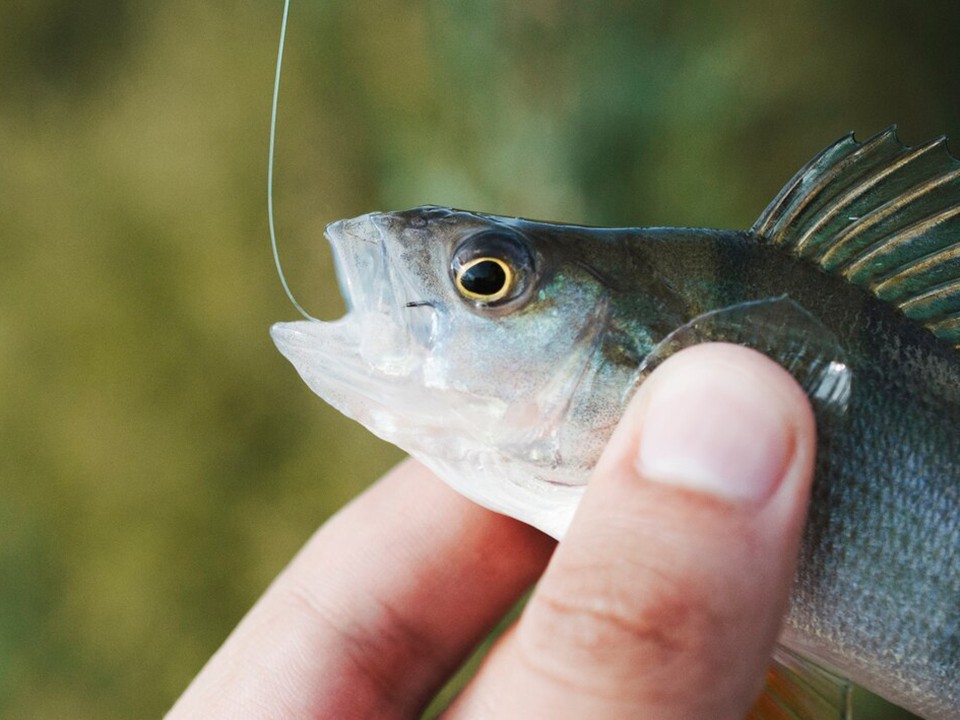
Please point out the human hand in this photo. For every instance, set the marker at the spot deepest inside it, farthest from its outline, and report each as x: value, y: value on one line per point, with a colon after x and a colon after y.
x: 664, y: 600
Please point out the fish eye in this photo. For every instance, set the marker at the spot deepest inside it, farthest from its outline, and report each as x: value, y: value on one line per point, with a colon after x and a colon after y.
x: 486, y: 279
x: 492, y: 268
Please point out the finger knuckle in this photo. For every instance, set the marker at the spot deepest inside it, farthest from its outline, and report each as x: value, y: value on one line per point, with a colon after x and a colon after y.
x: 616, y: 627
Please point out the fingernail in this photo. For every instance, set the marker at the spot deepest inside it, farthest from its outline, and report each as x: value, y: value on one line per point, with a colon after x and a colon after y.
x: 715, y: 428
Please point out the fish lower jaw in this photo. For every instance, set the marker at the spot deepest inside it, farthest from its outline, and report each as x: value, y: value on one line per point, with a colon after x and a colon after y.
x: 518, y: 492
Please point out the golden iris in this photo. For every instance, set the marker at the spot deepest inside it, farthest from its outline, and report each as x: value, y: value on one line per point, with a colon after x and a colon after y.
x: 485, y: 279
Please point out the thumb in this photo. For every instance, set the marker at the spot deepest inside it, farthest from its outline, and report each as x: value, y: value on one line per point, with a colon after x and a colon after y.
x: 667, y: 595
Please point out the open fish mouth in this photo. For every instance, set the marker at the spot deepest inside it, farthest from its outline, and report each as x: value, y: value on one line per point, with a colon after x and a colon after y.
x: 360, y: 362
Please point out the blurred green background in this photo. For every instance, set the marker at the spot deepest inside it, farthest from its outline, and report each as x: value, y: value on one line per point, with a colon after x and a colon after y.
x: 159, y: 460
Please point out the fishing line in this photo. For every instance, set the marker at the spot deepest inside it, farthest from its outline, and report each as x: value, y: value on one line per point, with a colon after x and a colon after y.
x: 270, y: 164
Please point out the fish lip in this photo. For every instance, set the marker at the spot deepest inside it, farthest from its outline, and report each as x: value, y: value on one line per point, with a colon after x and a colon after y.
x: 327, y: 356
x: 369, y: 282
x: 357, y: 247
x: 363, y: 265
x: 331, y: 359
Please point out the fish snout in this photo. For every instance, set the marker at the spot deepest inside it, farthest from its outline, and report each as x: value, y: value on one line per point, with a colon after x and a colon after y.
x: 358, y: 229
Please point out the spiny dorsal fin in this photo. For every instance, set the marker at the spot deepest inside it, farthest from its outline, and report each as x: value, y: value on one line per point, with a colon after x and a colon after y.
x: 885, y: 217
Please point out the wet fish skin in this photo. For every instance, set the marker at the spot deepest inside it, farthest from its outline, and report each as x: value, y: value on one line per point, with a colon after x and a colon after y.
x: 512, y: 403
x: 877, y: 592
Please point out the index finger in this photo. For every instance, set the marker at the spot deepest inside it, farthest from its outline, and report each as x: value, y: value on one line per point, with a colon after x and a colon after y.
x: 374, y: 613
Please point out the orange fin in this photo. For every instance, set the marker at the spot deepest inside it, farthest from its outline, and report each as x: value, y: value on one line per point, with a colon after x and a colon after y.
x: 798, y: 689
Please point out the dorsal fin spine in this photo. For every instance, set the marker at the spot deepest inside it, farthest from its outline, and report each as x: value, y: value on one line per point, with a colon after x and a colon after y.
x: 948, y: 329
x: 823, y: 177
x: 846, y: 239
x: 858, y: 271
x: 938, y: 292
x: 837, y: 191
x: 952, y: 323
x: 861, y: 189
x: 764, y: 226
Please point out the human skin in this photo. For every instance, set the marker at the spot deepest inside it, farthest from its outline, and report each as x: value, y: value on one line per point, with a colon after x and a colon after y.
x: 664, y: 599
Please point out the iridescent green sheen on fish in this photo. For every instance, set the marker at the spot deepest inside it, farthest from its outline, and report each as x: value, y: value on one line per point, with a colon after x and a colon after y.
x: 501, y: 352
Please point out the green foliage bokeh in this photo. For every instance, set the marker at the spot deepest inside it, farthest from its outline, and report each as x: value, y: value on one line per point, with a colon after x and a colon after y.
x: 159, y: 460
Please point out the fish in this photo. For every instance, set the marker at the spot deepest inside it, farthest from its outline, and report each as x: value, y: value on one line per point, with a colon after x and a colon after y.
x: 501, y: 352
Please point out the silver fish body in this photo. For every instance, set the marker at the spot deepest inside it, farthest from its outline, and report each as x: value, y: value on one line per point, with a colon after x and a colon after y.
x: 502, y: 352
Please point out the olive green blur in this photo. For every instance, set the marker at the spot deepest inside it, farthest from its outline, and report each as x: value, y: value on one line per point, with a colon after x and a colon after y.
x: 159, y: 460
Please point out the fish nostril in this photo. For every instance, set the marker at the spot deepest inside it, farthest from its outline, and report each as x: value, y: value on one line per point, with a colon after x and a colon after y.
x: 383, y: 221
x: 420, y: 217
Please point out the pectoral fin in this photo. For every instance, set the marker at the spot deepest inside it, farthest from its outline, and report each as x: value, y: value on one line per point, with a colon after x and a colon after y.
x: 781, y: 329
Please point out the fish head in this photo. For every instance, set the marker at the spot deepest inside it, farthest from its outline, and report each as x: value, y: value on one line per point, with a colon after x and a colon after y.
x: 470, y: 341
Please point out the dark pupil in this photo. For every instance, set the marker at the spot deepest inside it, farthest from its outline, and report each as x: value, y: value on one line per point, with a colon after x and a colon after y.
x: 484, y: 278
